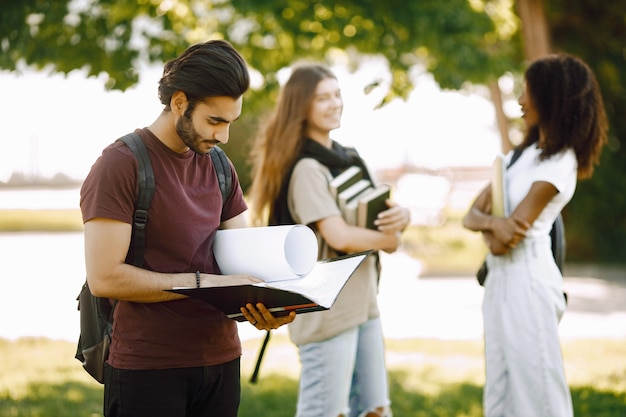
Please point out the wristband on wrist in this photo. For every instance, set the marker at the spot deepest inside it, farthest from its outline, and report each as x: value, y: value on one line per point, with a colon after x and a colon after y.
x: 197, y: 279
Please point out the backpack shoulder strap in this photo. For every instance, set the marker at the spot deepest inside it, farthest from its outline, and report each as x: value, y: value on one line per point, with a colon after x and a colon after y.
x: 517, y: 151
x: 146, y: 187
x: 222, y: 168
x: 145, y: 184
x: 557, y: 234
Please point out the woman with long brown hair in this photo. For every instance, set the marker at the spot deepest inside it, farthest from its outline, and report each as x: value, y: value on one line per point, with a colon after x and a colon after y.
x: 294, y: 158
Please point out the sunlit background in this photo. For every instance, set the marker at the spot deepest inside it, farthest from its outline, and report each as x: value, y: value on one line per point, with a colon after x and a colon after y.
x: 55, y: 125
x: 58, y: 125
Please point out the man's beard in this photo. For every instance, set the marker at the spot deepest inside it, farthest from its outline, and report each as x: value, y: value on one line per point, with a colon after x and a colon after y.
x: 187, y: 133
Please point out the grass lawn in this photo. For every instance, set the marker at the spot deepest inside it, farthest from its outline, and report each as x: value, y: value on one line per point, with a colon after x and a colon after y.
x: 63, y: 220
x: 434, y: 378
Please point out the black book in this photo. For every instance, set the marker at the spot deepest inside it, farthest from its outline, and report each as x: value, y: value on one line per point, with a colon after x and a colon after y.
x: 371, y: 204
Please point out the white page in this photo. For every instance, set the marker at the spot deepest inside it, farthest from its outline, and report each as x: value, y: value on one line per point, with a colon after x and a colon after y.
x: 272, y: 253
x: 324, y: 282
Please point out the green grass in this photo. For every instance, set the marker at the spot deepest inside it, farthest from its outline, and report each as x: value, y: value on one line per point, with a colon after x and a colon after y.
x: 40, y: 220
x: 445, y: 249
x: 434, y: 378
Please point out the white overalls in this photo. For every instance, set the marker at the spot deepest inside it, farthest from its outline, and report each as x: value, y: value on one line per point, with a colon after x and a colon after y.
x: 524, y: 302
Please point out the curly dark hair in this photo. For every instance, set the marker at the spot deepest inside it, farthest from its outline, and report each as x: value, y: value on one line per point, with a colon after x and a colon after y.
x: 210, y: 69
x: 566, y: 95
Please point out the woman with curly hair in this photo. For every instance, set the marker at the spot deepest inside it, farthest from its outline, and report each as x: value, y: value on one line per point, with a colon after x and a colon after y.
x: 523, y: 301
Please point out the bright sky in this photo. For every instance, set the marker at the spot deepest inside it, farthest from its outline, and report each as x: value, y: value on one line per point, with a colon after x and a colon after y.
x: 52, y: 123
x: 56, y: 124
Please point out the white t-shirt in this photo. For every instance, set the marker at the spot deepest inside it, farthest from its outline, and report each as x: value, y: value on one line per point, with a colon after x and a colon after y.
x: 559, y: 170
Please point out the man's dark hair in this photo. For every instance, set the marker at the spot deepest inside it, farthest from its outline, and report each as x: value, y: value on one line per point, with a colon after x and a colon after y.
x: 210, y: 69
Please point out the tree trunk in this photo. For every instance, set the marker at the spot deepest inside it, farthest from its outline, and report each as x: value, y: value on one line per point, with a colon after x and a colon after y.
x: 535, y: 34
x: 536, y: 40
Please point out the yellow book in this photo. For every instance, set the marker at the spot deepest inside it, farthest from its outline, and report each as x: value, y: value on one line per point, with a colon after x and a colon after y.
x: 498, y: 188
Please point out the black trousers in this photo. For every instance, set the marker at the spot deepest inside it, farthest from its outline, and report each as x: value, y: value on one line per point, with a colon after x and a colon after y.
x: 210, y: 391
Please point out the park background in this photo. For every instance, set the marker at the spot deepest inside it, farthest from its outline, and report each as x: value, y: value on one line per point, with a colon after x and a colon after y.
x: 430, y: 91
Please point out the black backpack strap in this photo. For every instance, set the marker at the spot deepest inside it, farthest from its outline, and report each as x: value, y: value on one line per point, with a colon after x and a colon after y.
x: 145, y: 185
x: 257, y: 367
x: 222, y: 168
x: 557, y: 234
x: 517, y: 152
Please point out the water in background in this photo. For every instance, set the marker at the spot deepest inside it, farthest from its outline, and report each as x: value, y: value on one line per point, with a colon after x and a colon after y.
x: 41, y: 275
x: 39, y: 198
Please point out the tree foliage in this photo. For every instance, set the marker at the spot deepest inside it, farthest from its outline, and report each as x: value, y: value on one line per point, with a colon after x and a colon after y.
x: 456, y: 41
x: 596, y: 217
x: 50, y: 34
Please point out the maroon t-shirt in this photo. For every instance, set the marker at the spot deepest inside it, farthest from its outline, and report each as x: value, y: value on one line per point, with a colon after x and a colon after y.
x: 184, y: 215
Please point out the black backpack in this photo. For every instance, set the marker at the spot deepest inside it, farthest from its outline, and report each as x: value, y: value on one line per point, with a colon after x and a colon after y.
x: 96, y: 314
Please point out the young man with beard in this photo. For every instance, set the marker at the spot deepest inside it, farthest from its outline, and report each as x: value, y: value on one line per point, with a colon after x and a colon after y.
x: 171, y: 355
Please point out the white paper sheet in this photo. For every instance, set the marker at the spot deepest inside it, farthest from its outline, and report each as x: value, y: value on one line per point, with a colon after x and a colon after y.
x: 272, y: 253
x: 324, y: 282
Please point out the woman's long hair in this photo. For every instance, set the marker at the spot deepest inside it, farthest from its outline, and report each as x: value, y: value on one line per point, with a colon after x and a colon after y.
x: 279, y: 142
x: 566, y: 95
